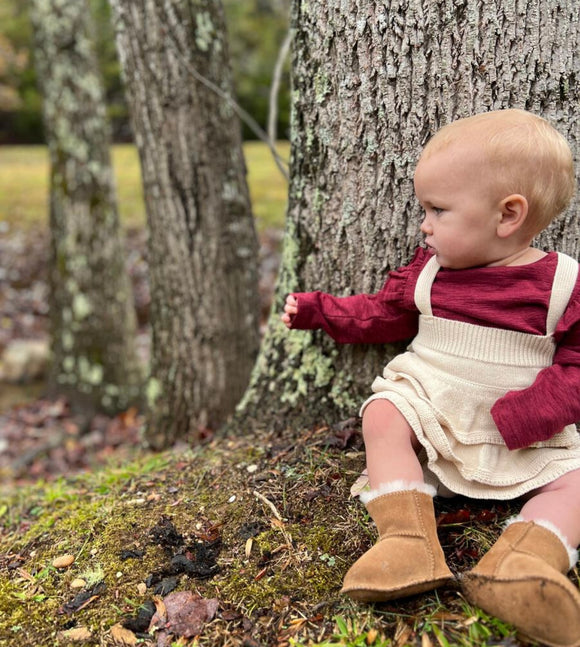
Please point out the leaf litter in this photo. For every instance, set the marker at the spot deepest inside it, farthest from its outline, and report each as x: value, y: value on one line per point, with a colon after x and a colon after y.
x: 181, y: 614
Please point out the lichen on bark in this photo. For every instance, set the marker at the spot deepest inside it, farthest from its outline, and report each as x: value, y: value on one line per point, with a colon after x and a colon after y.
x: 91, y: 312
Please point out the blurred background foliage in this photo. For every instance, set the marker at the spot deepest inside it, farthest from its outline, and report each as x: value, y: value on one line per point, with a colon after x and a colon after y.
x: 256, y: 30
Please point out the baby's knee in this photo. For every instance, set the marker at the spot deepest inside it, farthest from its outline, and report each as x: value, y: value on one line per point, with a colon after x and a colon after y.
x: 381, y: 419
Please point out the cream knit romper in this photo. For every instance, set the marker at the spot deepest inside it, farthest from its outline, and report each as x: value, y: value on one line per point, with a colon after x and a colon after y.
x: 447, y: 382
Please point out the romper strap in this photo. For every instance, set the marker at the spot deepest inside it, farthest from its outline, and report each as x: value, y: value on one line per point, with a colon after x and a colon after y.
x: 423, y: 286
x: 565, y: 278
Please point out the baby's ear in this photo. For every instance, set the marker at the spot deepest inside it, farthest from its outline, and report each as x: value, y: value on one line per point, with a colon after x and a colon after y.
x: 514, y: 211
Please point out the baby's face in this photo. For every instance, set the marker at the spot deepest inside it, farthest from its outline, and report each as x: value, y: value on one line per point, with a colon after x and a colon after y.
x: 461, y: 212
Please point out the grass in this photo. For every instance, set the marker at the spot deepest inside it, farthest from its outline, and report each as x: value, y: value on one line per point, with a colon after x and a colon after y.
x: 24, y: 181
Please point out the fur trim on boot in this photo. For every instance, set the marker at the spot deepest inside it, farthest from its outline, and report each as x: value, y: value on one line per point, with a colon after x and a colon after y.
x: 397, y: 486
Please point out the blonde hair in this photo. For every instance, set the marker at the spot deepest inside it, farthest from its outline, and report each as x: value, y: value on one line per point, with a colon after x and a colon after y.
x: 523, y: 153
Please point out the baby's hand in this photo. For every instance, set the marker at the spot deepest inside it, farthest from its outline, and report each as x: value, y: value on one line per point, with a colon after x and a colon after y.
x: 290, y: 309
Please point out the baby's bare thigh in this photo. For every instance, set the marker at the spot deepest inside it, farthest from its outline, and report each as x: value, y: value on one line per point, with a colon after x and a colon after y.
x: 568, y: 483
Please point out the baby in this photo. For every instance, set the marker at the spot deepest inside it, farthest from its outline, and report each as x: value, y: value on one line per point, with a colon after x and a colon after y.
x: 484, y: 402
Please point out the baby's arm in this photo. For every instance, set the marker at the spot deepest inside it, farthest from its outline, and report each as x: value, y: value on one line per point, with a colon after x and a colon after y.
x: 543, y: 409
x: 358, y: 319
x: 387, y: 316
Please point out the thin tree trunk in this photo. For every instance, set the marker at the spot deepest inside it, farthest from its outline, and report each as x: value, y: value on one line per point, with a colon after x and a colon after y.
x: 203, y: 247
x: 371, y: 82
x: 91, y: 310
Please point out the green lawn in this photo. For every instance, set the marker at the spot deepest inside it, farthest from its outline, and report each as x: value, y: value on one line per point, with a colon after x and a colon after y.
x: 24, y: 185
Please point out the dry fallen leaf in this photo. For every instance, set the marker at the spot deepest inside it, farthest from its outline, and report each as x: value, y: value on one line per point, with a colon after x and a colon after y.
x: 78, y: 634
x: 183, y: 613
x: 360, y: 485
x: 64, y: 561
x: 83, y: 599
x: 122, y: 636
x: 160, y: 616
x: 402, y: 633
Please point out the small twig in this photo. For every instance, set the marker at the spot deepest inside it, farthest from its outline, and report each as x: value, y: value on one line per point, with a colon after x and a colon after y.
x: 275, y: 87
x: 269, y: 503
x: 89, y: 537
x: 242, y: 114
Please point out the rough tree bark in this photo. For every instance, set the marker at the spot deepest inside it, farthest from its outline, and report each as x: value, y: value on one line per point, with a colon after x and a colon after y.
x: 371, y: 82
x: 91, y: 307
x: 203, y: 247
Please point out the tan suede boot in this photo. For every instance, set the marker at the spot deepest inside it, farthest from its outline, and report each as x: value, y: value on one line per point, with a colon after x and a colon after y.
x: 522, y: 580
x: 408, y: 557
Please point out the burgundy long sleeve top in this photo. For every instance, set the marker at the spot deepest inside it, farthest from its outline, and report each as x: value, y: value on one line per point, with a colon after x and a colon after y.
x: 511, y: 297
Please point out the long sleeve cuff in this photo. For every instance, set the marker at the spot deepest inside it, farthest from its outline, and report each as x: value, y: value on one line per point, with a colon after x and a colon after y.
x: 308, y: 316
x: 520, y: 427
x: 514, y: 435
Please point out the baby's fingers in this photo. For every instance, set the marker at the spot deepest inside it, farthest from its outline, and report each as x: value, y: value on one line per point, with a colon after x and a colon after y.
x: 290, y: 309
x: 291, y: 306
x: 291, y: 300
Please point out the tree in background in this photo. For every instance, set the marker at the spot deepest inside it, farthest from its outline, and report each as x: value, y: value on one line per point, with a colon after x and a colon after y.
x: 257, y: 29
x: 371, y: 82
x: 12, y: 62
x: 202, y: 244
x: 20, y: 118
x: 91, y: 307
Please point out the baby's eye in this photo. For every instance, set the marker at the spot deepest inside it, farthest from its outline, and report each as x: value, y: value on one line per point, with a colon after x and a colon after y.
x: 437, y: 210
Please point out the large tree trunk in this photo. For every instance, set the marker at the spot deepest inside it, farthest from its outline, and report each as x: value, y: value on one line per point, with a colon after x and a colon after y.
x: 371, y: 82
x: 92, y: 316
x: 203, y: 247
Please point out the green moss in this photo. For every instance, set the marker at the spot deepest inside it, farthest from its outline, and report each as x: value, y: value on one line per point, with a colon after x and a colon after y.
x: 319, y: 199
x: 296, y: 571
x: 341, y: 392
x: 322, y: 86
x: 90, y: 373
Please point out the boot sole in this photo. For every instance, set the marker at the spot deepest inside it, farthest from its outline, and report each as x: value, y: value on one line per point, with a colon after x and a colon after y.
x: 378, y: 595
x: 505, y: 599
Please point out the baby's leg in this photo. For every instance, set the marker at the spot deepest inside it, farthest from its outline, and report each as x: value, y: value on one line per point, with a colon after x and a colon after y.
x: 408, y: 558
x: 559, y: 503
x: 391, y: 445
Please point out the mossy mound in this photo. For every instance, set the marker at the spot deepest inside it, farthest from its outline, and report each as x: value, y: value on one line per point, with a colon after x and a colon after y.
x: 264, y: 524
